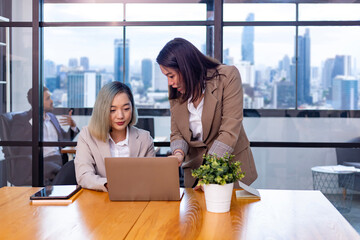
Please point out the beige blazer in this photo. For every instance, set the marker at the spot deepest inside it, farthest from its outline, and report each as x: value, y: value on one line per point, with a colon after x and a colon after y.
x: 223, y: 130
x: 91, y: 152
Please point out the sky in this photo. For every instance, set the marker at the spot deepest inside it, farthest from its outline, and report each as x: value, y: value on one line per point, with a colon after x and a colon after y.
x: 271, y: 43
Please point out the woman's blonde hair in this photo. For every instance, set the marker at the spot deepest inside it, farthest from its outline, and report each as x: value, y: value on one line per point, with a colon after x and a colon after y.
x: 99, y: 125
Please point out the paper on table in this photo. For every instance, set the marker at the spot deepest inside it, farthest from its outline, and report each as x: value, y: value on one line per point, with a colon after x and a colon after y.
x: 340, y: 168
x: 247, y: 192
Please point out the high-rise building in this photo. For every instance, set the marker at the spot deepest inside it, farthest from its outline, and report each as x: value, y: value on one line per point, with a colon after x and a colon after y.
x: 227, y: 59
x: 203, y: 48
x: 146, y: 72
x: 284, y: 95
x: 247, y: 72
x: 83, y: 88
x: 315, y: 76
x: 84, y: 62
x: 342, y: 66
x: 303, y: 74
x: 52, y: 83
x: 326, y: 73
x: 284, y: 66
x: 338, y: 66
x: 160, y: 81
x: 247, y: 44
x: 49, y: 69
x: 121, y: 52
x: 345, y: 92
x: 73, y: 63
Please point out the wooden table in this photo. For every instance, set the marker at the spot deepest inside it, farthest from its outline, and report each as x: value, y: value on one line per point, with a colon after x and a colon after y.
x: 280, y: 214
x: 69, y: 150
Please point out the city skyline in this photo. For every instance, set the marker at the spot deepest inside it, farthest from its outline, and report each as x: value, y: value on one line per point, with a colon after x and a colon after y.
x: 270, y: 41
x: 284, y: 97
x: 265, y: 85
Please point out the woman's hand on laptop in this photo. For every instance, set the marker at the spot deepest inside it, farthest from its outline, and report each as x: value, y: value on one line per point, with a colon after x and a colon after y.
x: 179, y: 154
x: 179, y: 158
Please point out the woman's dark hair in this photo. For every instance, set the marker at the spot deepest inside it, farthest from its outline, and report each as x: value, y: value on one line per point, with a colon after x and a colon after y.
x: 193, y: 66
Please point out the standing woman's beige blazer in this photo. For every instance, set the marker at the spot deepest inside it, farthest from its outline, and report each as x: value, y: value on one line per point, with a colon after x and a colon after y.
x: 91, y: 152
x: 223, y: 130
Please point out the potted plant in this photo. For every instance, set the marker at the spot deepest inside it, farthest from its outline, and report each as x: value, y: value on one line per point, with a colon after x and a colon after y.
x: 218, y: 175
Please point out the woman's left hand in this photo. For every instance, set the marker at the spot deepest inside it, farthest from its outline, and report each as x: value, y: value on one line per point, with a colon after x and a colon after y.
x: 179, y: 157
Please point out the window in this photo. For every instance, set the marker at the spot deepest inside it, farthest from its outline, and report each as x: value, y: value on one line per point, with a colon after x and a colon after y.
x: 83, y: 12
x: 328, y: 70
x: 259, y: 12
x: 264, y: 57
x: 299, y: 64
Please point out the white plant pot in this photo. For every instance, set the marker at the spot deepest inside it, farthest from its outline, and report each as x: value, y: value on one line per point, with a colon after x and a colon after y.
x: 218, y: 197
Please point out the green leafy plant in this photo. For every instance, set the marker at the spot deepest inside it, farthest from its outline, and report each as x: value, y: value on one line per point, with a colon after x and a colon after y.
x: 218, y: 170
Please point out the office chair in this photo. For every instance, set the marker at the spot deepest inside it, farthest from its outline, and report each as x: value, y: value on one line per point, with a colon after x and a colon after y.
x: 146, y: 124
x: 11, y: 159
x: 17, y: 160
x: 66, y: 175
x: 350, y: 157
x: 4, y: 129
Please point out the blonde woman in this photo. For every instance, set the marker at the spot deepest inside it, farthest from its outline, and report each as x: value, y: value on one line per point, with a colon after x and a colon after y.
x: 110, y: 133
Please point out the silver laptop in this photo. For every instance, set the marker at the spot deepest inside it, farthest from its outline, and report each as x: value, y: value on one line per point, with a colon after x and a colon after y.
x: 143, y: 179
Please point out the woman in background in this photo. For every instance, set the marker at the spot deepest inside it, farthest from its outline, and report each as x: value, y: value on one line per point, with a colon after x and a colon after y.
x: 206, y: 105
x: 110, y: 133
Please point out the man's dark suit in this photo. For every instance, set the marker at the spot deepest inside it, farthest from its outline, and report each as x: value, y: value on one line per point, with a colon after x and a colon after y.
x: 20, y: 165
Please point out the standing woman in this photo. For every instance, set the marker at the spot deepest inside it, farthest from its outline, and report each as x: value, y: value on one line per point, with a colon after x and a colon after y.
x: 206, y: 105
x: 110, y: 134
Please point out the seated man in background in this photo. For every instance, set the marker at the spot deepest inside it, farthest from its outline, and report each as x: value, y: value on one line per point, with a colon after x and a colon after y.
x: 21, y: 167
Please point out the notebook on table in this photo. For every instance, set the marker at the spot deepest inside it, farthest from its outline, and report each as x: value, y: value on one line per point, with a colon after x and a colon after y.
x: 143, y: 179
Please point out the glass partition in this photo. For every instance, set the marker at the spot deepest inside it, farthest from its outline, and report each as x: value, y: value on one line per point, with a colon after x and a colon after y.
x: 83, y: 12
x: 301, y: 129
x: 15, y: 81
x: 16, y: 10
x: 259, y: 11
x: 329, y: 12
x: 289, y: 168
x: 21, y: 68
x: 166, y: 12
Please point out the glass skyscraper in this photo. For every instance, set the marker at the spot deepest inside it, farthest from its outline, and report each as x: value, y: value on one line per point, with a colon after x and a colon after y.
x: 83, y: 88
x: 247, y: 45
x: 146, y: 72
x: 345, y: 92
x: 303, y: 90
x: 119, y: 61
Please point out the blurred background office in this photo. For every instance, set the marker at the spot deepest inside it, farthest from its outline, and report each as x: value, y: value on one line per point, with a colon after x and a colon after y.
x: 299, y: 61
